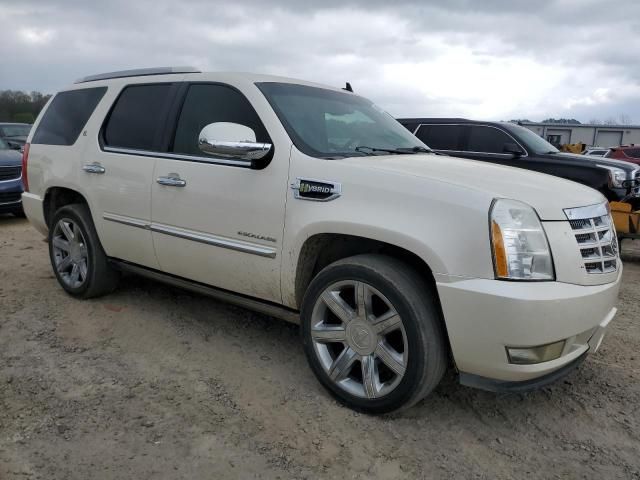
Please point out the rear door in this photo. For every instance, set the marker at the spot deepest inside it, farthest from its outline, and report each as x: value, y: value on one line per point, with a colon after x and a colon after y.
x: 118, y: 171
x: 219, y: 222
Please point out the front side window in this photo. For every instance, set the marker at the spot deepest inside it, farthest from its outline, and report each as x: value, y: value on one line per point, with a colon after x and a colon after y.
x: 211, y: 103
x: 487, y: 140
x: 532, y: 141
x: 67, y: 115
x: 326, y: 123
x: 441, y: 137
x: 137, y: 117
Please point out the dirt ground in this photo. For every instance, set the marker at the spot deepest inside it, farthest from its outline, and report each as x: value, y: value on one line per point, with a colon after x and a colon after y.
x: 155, y: 382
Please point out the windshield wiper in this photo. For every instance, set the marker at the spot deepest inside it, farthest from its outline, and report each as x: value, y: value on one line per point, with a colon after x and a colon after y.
x: 397, y: 151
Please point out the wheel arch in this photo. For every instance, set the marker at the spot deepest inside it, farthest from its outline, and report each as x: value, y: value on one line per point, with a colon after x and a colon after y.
x: 57, y: 197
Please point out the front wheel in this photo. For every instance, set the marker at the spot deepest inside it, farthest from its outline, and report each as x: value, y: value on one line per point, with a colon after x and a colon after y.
x: 78, y: 260
x: 372, y: 333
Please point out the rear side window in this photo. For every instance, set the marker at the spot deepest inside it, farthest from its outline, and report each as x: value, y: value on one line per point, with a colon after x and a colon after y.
x: 487, y: 140
x: 137, y: 117
x: 67, y: 115
x: 441, y: 137
x: 210, y: 103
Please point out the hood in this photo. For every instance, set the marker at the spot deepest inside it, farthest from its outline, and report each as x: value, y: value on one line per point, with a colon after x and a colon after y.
x: 10, y: 158
x: 549, y: 195
x: 612, y: 162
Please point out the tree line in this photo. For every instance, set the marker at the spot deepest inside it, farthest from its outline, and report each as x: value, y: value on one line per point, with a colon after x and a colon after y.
x: 23, y: 107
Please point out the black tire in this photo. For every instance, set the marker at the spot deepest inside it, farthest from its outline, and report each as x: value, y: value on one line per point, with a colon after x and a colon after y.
x: 416, y: 303
x: 101, y: 278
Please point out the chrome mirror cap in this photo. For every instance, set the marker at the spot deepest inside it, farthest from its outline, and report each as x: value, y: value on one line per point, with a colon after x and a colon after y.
x: 231, y: 140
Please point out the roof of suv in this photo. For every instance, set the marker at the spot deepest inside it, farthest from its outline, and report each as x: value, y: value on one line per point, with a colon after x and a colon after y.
x: 447, y: 120
x: 159, y: 74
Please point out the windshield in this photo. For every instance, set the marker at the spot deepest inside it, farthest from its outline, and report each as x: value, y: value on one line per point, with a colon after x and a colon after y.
x: 531, y: 140
x: 328, y: 124
x: 15, y: 130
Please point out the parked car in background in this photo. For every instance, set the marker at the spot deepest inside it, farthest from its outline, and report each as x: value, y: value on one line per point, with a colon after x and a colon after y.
x: 312, y: 204
x: 596, y: 151
x: 15, y: 134
x: 510, y: 144
x: 628, y: 153
x: 10, y: 180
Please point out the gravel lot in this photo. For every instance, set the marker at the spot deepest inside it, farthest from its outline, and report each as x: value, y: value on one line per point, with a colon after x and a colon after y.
x: 155, y: 382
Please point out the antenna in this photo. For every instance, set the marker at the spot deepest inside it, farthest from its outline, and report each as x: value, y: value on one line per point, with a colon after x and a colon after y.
x: 348, y: 87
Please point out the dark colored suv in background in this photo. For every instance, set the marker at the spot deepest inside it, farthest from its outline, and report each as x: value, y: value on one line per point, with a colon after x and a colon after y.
x: 10, y: 180
x: 510, y: 144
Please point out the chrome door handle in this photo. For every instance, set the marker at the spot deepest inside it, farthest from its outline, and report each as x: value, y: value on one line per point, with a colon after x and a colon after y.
x: 172, y: 180
x: 93, y: 168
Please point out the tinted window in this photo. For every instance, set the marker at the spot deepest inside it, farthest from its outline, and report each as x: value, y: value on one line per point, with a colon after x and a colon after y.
x: 441, y: 137
x: 632, y: 152
x: 487, y: 139
x: 137, y: 117
x: 67, y: 115
x: 205, y: 104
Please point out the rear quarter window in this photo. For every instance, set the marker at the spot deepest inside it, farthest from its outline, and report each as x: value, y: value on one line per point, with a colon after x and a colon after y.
x: 67, y: 115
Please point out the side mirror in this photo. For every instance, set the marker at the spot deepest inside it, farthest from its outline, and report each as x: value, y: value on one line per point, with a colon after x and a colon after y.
x: 513, y: 148
x: 231, y: 140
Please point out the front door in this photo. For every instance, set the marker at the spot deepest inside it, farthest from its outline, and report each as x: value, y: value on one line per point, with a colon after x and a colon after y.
x: 215, y: 220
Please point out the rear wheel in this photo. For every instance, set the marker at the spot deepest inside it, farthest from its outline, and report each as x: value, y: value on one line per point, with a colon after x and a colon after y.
x: 78, y: 260
x: 372, y: 333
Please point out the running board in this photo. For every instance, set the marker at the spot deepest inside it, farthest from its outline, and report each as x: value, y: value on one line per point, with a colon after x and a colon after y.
x: 249, y: 303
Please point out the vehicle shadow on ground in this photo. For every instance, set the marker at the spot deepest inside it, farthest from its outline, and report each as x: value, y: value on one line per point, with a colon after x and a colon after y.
x: 8, y: 219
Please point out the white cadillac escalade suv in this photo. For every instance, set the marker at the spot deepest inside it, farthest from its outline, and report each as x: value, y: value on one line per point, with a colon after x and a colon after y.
x: 311, y: 204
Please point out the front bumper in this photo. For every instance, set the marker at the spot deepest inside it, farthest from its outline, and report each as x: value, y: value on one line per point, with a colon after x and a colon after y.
x: 10, y: 200
x: 483, y: 317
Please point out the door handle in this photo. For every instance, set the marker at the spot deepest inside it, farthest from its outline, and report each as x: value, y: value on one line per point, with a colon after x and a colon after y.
x: 94, y: 167
x: 172, y: 180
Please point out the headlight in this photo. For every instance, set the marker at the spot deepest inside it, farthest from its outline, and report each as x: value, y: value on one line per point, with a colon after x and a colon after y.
x: 520, y: 246
x: 617, y: 176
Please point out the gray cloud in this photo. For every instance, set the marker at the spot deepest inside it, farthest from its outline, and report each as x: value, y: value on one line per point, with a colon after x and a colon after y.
x: 490, y: 59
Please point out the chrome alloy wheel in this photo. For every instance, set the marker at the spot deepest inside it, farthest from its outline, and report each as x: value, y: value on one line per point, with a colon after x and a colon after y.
x: 70, y: 253
x: 359, y: 338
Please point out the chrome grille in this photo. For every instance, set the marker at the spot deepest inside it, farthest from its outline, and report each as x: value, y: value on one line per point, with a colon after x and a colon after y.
x: 10, y: 173
x: 636, y: 190
x: 596, y: 237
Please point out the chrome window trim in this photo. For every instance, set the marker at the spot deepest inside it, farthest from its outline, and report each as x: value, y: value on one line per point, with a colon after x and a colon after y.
x: 215, y: 240
x: 506, y: 155
x: 587, y: 212
x: 177, y: 156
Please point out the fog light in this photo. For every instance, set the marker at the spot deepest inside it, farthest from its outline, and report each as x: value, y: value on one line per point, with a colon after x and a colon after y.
x: 539, y: 354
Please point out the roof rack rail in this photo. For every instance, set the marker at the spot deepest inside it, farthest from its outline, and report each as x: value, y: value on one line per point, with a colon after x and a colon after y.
x: 138, y: 72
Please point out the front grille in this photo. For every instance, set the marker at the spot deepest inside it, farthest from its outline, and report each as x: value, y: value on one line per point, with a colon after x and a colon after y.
x: 10, y: 173
x: 637, y: 178
x: 596, y: 238
x: 9, y: 197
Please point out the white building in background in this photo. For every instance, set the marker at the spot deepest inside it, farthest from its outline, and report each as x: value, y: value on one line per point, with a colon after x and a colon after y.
x: 595, y: 135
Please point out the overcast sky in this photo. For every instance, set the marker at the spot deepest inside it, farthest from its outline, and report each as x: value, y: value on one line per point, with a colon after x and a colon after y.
x: 489, y: 59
